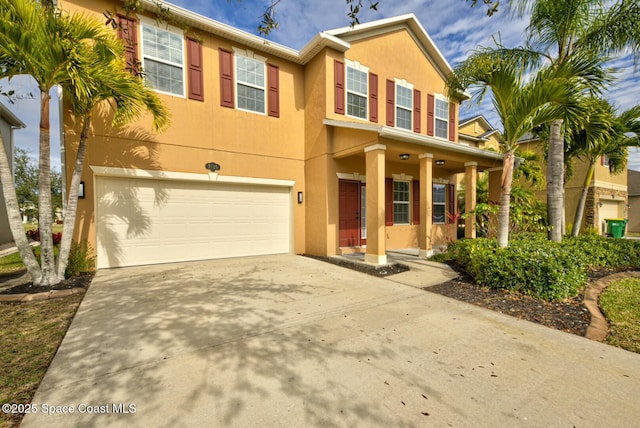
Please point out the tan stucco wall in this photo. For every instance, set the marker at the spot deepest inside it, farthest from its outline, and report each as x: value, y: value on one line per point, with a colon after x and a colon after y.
x: 634, y: 214
x: 243, y: 143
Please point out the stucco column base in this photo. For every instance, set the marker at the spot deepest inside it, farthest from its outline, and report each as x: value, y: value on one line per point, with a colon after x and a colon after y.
x: 425, y: 254
x: 375, y: 259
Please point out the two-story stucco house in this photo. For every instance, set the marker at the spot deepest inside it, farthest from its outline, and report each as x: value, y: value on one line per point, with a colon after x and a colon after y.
x: 347, y: 145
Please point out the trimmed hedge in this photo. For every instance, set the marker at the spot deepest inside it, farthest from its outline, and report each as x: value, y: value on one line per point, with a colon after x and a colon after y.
x: 533, y: 265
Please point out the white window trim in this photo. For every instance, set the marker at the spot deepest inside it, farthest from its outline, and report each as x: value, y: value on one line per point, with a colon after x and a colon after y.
x: 359, y: 67
x: 436, y: 117
x: 444, y: 204
x: 251, y: 55
x: 407, y: 203
x: 144, y: 21
x: 404, y: 84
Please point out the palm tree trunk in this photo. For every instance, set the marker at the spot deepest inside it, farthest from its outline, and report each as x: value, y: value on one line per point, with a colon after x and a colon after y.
x: 577, y: 221
x: 505, y: 199
x: 72, y: 201
x: 555, y: 181
x: 45, y: 220
x: 13, y: 213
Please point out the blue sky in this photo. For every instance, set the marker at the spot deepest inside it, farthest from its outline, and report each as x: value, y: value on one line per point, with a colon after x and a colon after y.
x: 456, y: 29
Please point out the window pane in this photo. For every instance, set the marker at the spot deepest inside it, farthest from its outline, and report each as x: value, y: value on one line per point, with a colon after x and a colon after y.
x: 439, y: 193
x: 442, y: 109
x: 356, y: 81
x: 400, y: 191
x: 438, y: 214
x: 250, y: 98
x: 164, y: 77
x: 404, y: 97
x: 401, y: 213
x: 442, y: 129
x: 403, y: 118
x: 356, y: 105
x: 162, y: 59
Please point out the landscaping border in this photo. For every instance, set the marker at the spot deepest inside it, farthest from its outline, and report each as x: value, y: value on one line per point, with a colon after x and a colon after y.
x: 599, y: 327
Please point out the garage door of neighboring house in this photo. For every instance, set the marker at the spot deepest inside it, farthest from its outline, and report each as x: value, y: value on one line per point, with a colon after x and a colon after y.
x: 609, y: 209
x: 149, y: 221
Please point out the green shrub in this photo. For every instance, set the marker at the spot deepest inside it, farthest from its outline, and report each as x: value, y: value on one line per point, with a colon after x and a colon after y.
x: 81, y: 259
x: 599, y: 251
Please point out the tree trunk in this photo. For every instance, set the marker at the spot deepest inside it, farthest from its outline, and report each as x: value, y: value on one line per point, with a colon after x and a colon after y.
x: 555, y: 180
x: 72, y: 201
x: 13, y: 213
x: 45, y: 220
x: 505, y: 199
x: 577, y: 221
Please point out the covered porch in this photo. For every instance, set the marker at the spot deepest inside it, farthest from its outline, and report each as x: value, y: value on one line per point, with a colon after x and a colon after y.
x: 398, y: 190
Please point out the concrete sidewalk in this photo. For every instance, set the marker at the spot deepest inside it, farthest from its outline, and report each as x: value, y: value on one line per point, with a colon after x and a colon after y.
x: 291, y: 341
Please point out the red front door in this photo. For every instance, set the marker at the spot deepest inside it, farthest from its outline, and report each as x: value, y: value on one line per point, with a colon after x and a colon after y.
x: 349, y: 214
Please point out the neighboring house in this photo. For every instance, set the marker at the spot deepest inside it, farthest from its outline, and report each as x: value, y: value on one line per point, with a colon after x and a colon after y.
x: 606, y: 198
x: 633, y: 179
x: 348, y: 145
x: 8, y: 123
x: 477, y: 132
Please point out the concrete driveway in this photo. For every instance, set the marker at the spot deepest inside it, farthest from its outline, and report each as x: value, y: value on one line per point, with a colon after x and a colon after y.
x: 291, y: 341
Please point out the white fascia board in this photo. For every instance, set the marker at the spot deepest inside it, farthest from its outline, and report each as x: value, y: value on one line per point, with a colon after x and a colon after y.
x: 320, y: 41
x: 226, y: 31
x: 10, y: 117
x: 185, y: 176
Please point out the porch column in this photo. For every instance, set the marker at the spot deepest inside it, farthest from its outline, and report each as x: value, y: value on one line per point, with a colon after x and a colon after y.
x: 470, y: 198
x: 495, y: 184
x: 376, y: 233
x: 426, y: 204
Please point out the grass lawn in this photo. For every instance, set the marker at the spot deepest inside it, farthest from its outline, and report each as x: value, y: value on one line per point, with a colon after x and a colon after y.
x: 11, y: 263
x: 30, y: 336
x: 620, y: 302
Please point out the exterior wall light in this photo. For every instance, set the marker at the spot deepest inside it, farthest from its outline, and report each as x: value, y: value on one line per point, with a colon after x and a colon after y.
x: 299, y: 197
x: 212, y: 166
x: 440, y: 162
x: 405, y: 156
x: 81, y: 190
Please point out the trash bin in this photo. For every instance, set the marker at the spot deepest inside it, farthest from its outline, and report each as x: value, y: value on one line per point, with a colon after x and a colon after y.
x: 616, y: 226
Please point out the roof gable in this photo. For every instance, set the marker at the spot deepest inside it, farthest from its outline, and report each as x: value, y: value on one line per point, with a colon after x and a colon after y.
x: 408, y: 22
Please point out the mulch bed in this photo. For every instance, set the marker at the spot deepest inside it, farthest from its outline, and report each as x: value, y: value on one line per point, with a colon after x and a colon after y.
x: 81, y: 281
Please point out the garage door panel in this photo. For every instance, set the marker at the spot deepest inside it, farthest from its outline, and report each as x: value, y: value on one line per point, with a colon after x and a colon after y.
x: 160, y: 221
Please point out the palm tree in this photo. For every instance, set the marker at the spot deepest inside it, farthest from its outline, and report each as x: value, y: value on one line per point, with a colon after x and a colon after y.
x: 115, y: 87
x: 77, y: 53
x: 603, y: 134
x: 565, y: 29
x: 523, y: 96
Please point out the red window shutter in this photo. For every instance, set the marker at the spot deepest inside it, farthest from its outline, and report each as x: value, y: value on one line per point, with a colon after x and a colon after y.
x: 128, y: 33
x: 373, y: 97
x: 453, y: 125
x: 226, y: 79
x: 451, y: 203
x: 273, y: 77
x: 338, y: 95
x: 391, y: 103
x: 196, y: 80
x: 416, y: 202
x: 431, y: 102
x: 388, y: 201
x: 416, y: 110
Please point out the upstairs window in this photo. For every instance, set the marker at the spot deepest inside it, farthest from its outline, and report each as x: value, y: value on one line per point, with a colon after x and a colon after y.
x: 163, y: 59
x: 442, y: 118
x: 357, y: 90
x: 250, y: 83
x: 401, y: 202
x: 404, y: 105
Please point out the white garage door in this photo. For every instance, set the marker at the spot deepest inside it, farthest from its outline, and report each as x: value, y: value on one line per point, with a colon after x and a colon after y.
x: 609, y: 209
x: 142, y: 221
